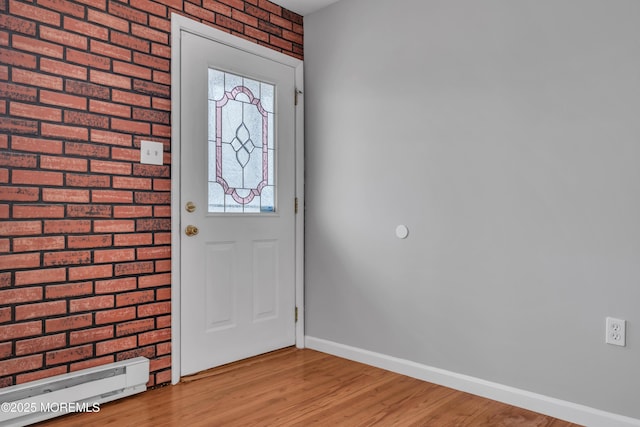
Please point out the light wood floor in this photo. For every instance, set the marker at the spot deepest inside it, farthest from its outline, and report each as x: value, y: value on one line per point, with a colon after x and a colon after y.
x: 294, y: 387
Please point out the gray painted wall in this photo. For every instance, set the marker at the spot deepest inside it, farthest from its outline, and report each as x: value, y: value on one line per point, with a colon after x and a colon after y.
x: 506, y: 135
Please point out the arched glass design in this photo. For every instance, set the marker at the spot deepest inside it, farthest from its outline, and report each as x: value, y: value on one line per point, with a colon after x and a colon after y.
x: 241, y: 144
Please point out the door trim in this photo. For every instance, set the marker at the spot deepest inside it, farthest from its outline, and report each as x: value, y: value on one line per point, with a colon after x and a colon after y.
x: 180, y: 23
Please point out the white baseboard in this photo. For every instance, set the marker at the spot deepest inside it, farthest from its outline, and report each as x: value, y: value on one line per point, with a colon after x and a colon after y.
x: 568, y: 411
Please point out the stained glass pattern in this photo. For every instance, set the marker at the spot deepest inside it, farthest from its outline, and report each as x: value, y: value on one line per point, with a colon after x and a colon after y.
x: 241, y: 144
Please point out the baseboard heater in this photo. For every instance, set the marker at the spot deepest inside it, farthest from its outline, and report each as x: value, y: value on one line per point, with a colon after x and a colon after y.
x: 80, y: 391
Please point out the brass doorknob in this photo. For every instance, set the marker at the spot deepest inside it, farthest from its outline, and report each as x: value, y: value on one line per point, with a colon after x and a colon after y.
x: 191, y: 230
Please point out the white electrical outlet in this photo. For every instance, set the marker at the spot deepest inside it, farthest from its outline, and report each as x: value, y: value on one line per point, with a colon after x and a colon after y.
x: 616, y: 331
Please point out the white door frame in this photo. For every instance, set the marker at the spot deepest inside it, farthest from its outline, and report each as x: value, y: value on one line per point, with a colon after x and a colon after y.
x: 178, y: 24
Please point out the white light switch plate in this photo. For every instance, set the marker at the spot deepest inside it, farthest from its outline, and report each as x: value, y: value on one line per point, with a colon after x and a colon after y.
x: 151, y: 152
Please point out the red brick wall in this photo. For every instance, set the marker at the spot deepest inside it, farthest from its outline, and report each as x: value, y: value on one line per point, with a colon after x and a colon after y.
x: 84, y: 227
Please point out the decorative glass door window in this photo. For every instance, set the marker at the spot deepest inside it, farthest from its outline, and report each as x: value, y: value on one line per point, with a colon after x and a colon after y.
x: 241, y: 144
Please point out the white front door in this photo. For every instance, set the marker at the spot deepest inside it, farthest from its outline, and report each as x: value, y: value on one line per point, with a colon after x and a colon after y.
x: 237, y: 192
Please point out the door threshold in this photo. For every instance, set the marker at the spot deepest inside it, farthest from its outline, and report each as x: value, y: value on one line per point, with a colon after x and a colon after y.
x: 219, y: 370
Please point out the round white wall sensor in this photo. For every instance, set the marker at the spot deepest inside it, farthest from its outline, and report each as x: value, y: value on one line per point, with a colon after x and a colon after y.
x: 402, y: 231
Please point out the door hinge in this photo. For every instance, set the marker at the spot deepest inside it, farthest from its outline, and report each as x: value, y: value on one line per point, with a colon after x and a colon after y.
x: 295, y: 205
x: 296, y: 314
x: 295, y: 97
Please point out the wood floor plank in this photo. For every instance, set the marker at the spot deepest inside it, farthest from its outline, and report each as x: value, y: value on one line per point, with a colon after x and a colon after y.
x: 292, y: 387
